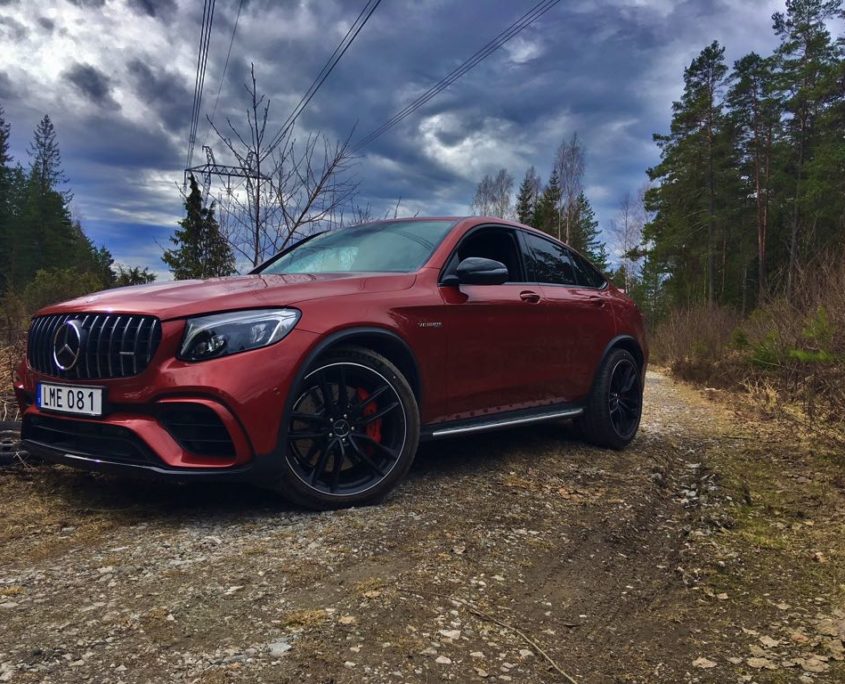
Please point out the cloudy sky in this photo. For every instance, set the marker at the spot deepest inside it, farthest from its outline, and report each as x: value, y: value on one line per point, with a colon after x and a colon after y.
x: 117, y: 78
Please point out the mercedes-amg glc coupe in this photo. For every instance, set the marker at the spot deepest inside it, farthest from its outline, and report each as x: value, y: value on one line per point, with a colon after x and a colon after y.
x: 319, y: 373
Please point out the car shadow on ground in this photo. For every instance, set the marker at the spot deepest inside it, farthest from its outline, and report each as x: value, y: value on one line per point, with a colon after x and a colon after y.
x: 133, y: 500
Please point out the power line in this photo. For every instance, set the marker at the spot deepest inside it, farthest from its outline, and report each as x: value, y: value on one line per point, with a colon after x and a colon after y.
x: 199, y: 81
x: 225, y: 68
x: 327, y: 69
x: 512, y: 30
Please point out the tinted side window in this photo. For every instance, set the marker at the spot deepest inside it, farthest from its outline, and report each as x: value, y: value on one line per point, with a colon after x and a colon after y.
x: 549, y: 262
x: 586, y: 273
x: 491, y: 243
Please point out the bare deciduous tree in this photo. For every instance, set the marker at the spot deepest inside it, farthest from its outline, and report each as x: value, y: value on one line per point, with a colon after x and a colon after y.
x: 627, y: 227
x: 569, y: 164
x: 493, y: 195
x: 292, y: 187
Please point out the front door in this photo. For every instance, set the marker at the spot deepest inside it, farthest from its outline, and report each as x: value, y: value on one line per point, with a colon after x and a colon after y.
x: 493, y: 332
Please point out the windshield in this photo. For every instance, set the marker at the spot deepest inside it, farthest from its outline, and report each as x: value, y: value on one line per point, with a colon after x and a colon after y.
x: 395, y: 247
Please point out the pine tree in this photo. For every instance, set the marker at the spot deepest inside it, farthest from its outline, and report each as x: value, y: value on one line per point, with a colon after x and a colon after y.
x: 133, y: 276
x: 585, y: 236
x: 200, y: 250
x: 806, y: 56
x: 692, y: 180
x: 546, y: 214
x: 756, y: 115
x: 5, y: 198
x: 526, y: 201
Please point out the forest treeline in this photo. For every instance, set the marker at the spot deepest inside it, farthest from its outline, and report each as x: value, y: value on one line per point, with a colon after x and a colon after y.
x: 750, y: 188
x: 45, y: 254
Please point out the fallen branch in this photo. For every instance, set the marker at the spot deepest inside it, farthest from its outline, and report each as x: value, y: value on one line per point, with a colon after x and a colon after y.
x: 475, y: 610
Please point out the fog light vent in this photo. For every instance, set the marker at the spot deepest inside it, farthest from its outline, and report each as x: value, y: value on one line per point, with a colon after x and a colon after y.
x: 198, y: 429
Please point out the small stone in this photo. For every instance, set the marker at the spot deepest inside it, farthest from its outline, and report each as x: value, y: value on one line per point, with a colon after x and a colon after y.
x: 526, y: 653
x: 722, y: 597
x: 768, y: 642
x: 451, y: 633
x: 279, y: 648
x: 349, y: 664
x: 734, y: 660
x: 760, y: 663
x: 482, y: 673
x: 232, y: 590
x: 443, y: 660
x: 9, y: 605
x: 476, y: 654
x: 704, y: 663
x: 347, y: 620
x: 429, y: 651
x: 814, y: 665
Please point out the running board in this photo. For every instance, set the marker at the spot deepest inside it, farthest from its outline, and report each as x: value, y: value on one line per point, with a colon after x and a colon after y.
x: 502, y: 422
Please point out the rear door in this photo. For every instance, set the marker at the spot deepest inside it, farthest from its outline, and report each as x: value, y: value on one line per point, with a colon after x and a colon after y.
x: 581, y: 321
x: 493, y: 331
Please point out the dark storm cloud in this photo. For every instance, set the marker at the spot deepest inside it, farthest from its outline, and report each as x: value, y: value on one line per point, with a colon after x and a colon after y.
x: 47, y: 24
x: 93, y: 84
x: 13, y: 30
x: 7, y: 91
x: 153, y: 8
x: 95, y: 4
x: 166, y: 92
x: 113, y: 141
x: 607, y: 69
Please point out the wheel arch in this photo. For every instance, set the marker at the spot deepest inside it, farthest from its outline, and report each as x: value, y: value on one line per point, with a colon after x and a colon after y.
x: 628, y: 343
x: 380, y: 340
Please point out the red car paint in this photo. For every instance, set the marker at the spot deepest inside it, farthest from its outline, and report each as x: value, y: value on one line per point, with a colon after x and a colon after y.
x: 476, y: 349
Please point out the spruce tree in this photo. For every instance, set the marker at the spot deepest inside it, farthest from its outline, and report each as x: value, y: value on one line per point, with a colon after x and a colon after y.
x: 46, y: 160
x: 585, y: 236
x: 526, y: 201
x: 546, y: 216
x: 200, y: 250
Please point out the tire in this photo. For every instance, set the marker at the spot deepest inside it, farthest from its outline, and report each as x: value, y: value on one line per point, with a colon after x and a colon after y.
x: 352, y: 432
x: 612, y: 415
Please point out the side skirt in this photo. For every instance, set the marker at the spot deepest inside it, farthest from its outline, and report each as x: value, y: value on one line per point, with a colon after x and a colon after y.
x: 499, y: 421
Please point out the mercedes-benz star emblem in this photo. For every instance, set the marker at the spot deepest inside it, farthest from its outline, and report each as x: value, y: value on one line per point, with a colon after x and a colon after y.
x: 67, y: 345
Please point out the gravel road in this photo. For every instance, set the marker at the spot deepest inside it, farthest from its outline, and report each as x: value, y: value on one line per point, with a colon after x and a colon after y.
x: 521, y: 556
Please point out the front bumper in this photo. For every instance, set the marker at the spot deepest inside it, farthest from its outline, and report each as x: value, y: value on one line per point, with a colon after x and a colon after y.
x: 258, y: 471
x: 241, y: 400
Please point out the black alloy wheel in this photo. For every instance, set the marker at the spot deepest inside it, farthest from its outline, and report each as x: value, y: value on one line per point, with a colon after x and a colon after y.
x: 352, y: 432
x: 625, y: 398
x: 612, y: 414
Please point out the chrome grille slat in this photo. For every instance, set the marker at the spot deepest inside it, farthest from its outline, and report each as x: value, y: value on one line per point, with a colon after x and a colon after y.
x: 109, y: 342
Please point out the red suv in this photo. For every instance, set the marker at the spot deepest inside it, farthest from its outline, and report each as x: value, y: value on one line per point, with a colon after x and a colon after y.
x: 319, y: 372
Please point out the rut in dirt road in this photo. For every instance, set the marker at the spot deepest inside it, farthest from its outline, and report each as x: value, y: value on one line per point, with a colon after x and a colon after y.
x: 580, y: 550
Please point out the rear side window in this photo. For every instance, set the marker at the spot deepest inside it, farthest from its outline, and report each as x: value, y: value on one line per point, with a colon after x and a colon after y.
x: 548, y: 261
x: 586, y: 273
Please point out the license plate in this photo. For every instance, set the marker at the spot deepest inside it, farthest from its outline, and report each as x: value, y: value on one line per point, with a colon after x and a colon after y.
x: 86, y: 401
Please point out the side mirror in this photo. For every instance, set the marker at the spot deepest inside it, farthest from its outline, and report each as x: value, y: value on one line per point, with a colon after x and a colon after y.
x: 480, y: 271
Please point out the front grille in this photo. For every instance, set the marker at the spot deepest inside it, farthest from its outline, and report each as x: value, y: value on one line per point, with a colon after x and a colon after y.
x: 198, y: 429
x: 99, y: 440
x: 112, y: 345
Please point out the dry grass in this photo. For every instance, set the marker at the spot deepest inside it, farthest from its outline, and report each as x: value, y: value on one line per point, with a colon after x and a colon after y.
x: 789, y: 353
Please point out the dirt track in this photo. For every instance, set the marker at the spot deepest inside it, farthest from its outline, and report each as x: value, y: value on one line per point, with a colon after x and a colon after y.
x: 662, y: 563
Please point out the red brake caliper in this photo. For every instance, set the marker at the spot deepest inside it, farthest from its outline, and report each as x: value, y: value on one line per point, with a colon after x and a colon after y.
x: 374, y: 428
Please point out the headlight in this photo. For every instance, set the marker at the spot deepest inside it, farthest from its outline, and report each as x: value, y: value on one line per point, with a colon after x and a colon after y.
x: 208, y: 337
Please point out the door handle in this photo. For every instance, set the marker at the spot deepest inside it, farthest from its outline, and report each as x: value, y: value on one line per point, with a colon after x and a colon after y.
x: 529, y: 296
x: 597, y: 301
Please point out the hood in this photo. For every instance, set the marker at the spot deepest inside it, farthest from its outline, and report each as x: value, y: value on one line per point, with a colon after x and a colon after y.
x: 181, y: 298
